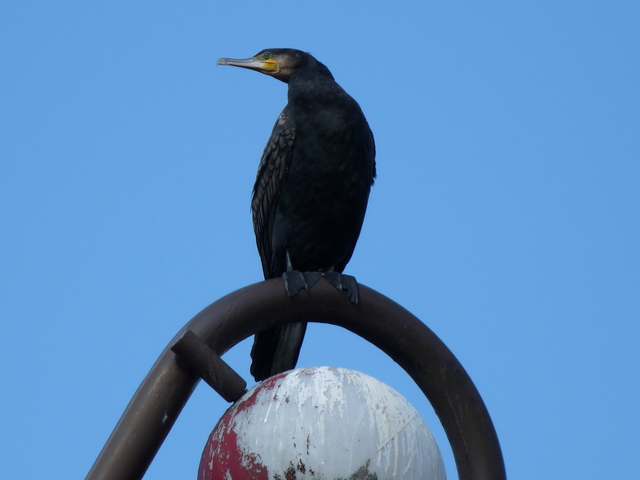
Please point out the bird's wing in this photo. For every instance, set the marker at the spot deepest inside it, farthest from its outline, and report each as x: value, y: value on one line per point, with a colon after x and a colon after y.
x: 272, y: 174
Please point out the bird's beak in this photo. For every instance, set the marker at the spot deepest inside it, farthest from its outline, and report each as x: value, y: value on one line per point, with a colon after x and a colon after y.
x: 258, y: 64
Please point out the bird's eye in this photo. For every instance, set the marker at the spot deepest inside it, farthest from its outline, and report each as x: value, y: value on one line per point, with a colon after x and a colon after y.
x: 266, y: 55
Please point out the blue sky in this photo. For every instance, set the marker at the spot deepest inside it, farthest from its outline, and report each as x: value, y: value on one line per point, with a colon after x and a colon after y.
x: 505, y: 214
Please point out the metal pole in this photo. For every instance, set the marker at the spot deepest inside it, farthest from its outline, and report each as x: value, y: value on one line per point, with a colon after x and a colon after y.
x: 160, y: 398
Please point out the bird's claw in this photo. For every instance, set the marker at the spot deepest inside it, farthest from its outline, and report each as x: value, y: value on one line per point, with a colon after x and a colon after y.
x: 294, y: 281
x: 350, y: 286
x: 312, y: 278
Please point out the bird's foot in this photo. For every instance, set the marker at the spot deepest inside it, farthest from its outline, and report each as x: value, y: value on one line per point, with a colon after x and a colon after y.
x: 344, y: 283
x: 294, y: 281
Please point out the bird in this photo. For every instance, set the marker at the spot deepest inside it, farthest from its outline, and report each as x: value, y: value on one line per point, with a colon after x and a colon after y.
x: 311, y: 191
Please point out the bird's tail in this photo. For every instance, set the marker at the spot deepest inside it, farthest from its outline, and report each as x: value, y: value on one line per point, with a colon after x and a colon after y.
x: 276, y: 350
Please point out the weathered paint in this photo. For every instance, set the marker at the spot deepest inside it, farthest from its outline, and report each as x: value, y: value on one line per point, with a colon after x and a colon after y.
x: 321, y: 423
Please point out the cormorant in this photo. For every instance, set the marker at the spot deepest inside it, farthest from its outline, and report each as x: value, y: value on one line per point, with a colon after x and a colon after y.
x: 311, y: 191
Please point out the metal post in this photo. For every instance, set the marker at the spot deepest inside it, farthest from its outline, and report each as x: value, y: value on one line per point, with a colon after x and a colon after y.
x: 160, y: 398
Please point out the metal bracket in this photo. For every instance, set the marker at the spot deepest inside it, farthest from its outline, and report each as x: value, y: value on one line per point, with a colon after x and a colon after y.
x: 209, y: 366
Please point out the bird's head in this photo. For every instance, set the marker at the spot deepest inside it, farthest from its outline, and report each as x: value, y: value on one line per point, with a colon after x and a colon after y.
x: 279, y: 63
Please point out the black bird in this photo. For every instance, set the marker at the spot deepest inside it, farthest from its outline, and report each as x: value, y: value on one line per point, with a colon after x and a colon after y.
x: 311, y: 191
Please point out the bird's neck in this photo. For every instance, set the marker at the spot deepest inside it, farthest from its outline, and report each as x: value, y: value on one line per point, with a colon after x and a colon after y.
x: 311, y: 84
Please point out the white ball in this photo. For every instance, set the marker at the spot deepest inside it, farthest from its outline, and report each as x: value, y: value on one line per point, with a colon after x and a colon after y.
x: 321, y: 423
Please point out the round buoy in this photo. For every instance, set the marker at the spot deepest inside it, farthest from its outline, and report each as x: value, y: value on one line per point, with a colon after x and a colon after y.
x: 321, y: 423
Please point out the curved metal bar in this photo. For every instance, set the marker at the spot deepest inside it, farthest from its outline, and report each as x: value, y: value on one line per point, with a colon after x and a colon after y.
x: 160, y: 398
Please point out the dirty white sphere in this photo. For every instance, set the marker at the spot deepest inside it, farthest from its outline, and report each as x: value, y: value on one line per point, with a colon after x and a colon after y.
x: 321, y: 423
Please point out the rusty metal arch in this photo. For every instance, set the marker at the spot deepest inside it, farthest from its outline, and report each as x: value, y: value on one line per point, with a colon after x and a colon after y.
x: 160, y: 398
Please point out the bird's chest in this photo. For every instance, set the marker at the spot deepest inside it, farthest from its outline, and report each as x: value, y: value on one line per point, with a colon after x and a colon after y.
x: 328, y: 138
x: 327, y: 157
